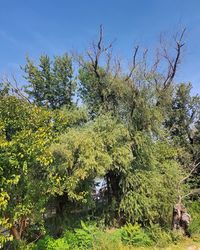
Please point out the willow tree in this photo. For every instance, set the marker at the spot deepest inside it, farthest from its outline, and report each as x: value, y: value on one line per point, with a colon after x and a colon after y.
x: 98, y: 149
x: 141, y: 99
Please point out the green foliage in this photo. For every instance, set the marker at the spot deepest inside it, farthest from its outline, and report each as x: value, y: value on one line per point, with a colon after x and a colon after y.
x: 79, y: 238
x: 68, y: 118
x: 109, y: 239
x: 17, y: 245
x: 90, y: 151
x: 140, y: 137
x: 135, y: 235
x: 27, y: 177
x: 94, y: 90
x: 83, y: 237
x: 4, y: 89
x: 101, y: 90
x: 48, y: 243
x: 194, y: 210
x: 181, y: 120
x: 50, y: 83
x: 183, y: 113
x: 25, y: 137
x: 161, y: 237
x: 155, y: 180
x: 130, y: 236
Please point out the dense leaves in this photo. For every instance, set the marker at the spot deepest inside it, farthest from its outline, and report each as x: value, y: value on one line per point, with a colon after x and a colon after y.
x: 51, y: 83
x: 136, y: 134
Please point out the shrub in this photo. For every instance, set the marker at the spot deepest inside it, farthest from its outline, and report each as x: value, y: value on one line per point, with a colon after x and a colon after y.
x: 108, y: 240
x: 15, y: 245
x: 194, y: 210
x: 135, y: 235
x: 49, y: 243
x: 81, y: 238
x: 162, y: 237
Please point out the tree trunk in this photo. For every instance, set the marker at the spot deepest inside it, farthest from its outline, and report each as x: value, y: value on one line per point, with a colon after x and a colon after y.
x: 181, y: 219
x: 15, y: 233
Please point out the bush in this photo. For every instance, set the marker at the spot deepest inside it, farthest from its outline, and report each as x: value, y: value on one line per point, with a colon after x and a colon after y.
x: 77, y: 239
x: 162, y: 237
x: 176, y: 236
x: 15, y: 245
x: 49, y: 243
x: 135, y: 235
x: 159, y: 236
x: 81, y: 238
x: 88, y: 236
x: 108, y: 240
x: 194, y: 210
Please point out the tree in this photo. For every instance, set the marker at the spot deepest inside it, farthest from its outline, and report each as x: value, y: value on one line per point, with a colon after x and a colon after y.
x: 140, y: 98
x: 25, y: 137
x: 28, y: 179
x: 4, y: 89
x: 50, y: 83
x: 151, y: 185
x: 183, y: 114
x: 182, y: 122
x: 98, y: 149
x: 141, y: 137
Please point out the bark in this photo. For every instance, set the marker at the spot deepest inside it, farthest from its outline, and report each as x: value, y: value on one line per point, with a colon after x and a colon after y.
x: 15, y: 233
x: 181, y: 219
x: 23, y: 224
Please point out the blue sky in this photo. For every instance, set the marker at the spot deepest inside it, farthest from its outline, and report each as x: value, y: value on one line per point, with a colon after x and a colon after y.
x: 33, y: 27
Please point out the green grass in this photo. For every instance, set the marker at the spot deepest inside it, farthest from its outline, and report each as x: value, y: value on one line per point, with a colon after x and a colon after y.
x: 185, y: 244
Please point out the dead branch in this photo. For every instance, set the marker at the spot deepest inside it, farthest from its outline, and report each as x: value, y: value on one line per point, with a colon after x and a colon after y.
x: 15, y: 88
x: 190, y: 173
x: 108, y: 61
x: 133, y: 63
x: 98, y: 50
x: 180, y: 198
x: 117, y: 68
x: 173, y: 62
x: 144, y: 60
x: 157, y: 61
x: 194, y: 191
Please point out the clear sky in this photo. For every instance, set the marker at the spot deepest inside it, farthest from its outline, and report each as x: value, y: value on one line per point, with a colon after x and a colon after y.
x: 34, y: 27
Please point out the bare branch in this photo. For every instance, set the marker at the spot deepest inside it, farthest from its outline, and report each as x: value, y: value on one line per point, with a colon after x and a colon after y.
x: 157, y: 61
x: 194, y: 191
x: 190, y: 173
x: 100, y: 37
x: 133, y: 63
x: 117, y: 68
x: 144, y: 61
x: 15, y: 89
x: 173, y: 62
x: 108, y: 61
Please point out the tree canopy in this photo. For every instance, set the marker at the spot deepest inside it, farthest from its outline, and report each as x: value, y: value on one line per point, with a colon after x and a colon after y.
x: 136, y: 130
